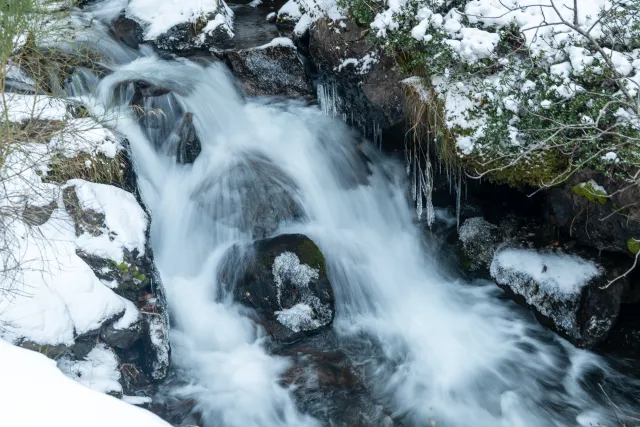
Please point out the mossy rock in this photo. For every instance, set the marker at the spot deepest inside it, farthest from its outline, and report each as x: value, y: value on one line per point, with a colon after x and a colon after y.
x: 633, y: 245
x: 281, y: 278
x: 591, y: 192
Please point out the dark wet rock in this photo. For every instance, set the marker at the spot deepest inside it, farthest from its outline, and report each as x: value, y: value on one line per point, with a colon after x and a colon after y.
x: 141, y: 91
x: 284, y: 279
x: 191, y: 37
x: 156, y: 344
x: 127, y: 31
x: 38, y: 215
x: 83, y: 346
x: 329, y: 385
x: 273, y: 69
x: 188, y: 142
x: 606, y: 223
x: 356, y: 76
x: 122, y: 338
x: 266, y: 195
x: 569, y: 294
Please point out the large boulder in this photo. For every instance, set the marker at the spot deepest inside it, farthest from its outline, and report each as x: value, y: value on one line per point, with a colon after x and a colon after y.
x: 284, y: 279
x: 267, y: 196
x: 567, y: 293
x: 357, y: 79
x: 273, y: 69
x: 479, y: 241
x: 209, y: 32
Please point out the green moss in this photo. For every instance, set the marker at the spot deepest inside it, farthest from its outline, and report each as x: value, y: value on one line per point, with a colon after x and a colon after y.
x: 590, y: 192
x: 138, y: 275
x: 310, y: 254
x: 123, y: 267
x: 633, y: 245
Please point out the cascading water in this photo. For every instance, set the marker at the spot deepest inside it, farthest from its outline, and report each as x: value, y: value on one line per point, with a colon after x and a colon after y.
x: 436, y: 350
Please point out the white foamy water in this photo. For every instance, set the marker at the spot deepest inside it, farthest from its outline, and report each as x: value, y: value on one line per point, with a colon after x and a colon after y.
x: 438, y: 349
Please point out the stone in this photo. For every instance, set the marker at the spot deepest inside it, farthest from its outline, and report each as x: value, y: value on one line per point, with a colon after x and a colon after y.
x: 122, y: 338
x: 188, y: 142
x: 274, y: 70
x: 190, y: 37
x: 127, y: 31
x: 356, y: 78
x: 605, y: 226
x: 479, y: 241
x: 284, y: 280
x: 567, y: 293
x: 267, y: 196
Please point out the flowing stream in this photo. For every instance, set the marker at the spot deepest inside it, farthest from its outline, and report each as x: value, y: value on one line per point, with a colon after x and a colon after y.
x: 435, y: 349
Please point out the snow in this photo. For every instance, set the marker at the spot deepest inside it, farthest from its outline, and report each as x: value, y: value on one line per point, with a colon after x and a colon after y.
x: 161, y: 16
x: 558, y: 274
x: 306, y: 12
x: 35, y: 393
x: 136, y: 400
x: 131, y: 315
x: 28, y: 107
x: 99, y: 371
x: 361, y: 66
x: 125, y: 220
x: 278, y: 41
x: 471, y: 33
x: 56, y: 294
x: 85, y: 136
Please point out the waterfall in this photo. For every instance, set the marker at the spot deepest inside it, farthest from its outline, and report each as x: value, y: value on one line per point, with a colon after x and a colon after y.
x: 435, y: 349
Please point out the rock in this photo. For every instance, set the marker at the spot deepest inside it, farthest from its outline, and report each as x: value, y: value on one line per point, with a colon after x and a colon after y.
x: 266, y: 196
x: 51, y: 351
x: 127, y: 31
x: 122, y: 338
x: 38, y: 215
x: 356, y: 78
x: 479, y: 241
x: 192, y: 37
x: 270, y: 70
x: 188, y: 142
x: 606, y: 221
x: 565, y: 291
x: 156, y: 344
x: 284, y: 280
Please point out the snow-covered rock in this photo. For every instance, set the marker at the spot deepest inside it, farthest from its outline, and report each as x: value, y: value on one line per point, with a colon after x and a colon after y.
x: 284, y: 280
x: 565, y: 291
x: 184, y: 26
x: 272, y: 69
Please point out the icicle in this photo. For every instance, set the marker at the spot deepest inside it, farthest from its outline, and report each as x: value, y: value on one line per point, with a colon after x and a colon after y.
x: 458, y: 201
x: 419, y: 197
x: 427, y: 189
x: 413, y: 180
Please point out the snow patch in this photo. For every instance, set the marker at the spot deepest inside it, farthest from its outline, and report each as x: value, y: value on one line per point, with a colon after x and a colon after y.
x: 99, y: 371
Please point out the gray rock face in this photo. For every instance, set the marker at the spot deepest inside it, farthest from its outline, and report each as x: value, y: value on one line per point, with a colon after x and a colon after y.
x: 188, y: 142
x: 284, y: 280
x: 565, y: 292
x: 479, y: 240
x: 266, y: 194
x: 359, y: 77
x: 270, y: 71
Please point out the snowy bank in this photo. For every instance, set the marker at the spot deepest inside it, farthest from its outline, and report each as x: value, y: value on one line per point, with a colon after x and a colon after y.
x: 34, y: 393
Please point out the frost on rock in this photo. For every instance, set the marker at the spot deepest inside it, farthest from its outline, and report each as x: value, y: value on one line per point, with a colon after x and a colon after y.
x: 479, y: 239
x: 159, y: 343
x: 552, y: 283
x: 309, y: 313
x: 99, y: 371
x: 305, y: 12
